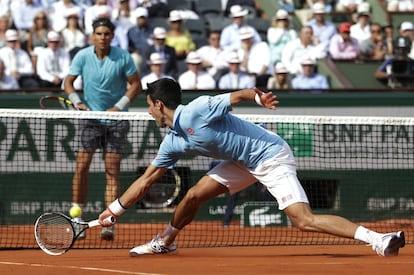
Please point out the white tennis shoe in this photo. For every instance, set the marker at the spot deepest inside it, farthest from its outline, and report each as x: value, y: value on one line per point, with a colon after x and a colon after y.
x: 155, y: 246
x: 389, y: 244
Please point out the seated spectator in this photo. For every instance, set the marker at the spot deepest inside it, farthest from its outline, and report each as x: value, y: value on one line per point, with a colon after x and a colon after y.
x: 73, y: 35
x: 168, y: 53
x: 99, y: 9
x: 58, y: 14
x: 37, y: 40
x: 23, y: 13
x: 323, y: 29
x: 123, y: 16
x: 406, y: 29
x: 310, y: 79
x: 374, y: 47
x: 342, y: 45
x: 7, y: 82
x: 388, y: 34
x: 178, y: 38
x: 230, y: 38
x: 398, y: 71
x: 279, y: 34
x: 255, y: 57
x: 195, y: 78
x: 281, y: 78
x: 18, y: 62
x: 296, y: 50
x: 53, y: 62
x: 213, y: 56
x: 360, y: 30
x: 139, y: 38
x: 235, y: 79
x: 156, y: 63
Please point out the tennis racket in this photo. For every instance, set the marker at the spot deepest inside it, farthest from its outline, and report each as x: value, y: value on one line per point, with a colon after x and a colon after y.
x: 56, y: 103
x: 55, y: 232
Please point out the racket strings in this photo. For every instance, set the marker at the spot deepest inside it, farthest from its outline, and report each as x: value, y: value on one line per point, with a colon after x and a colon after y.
x: 54, y: 233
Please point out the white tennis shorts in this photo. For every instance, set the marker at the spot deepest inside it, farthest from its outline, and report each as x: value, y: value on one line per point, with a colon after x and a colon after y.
x: 278, y: 174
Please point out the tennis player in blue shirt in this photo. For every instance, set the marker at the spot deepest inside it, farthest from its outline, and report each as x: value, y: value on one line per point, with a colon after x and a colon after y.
x: 250, y: 154
x: 110, y: 83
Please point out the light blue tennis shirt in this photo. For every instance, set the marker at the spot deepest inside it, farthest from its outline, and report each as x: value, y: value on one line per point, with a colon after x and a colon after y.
x: 104, y: 81
x: 205, y: 127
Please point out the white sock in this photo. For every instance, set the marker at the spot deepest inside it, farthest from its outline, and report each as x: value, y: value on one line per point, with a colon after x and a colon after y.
x: 366, y: 235
x: 170, y: 234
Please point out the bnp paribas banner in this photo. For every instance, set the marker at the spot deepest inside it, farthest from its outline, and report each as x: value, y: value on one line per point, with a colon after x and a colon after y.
x: 32, y: 142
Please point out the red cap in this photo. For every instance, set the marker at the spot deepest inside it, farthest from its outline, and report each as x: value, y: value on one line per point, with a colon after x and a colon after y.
x: 344, y: 27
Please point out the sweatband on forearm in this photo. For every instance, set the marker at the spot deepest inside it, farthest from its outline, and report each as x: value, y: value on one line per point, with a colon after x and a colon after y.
x: 257, y: 97
x: 116, y: 208
x: 123, y: 103
x: 74, y: 97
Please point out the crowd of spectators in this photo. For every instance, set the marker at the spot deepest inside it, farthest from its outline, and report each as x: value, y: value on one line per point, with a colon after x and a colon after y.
x: 39, y: 38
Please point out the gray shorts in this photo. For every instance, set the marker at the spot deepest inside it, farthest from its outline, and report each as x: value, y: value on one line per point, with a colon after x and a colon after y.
x: 110, y: 136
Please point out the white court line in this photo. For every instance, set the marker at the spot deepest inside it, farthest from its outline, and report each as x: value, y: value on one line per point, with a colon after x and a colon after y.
x: 80, y: 268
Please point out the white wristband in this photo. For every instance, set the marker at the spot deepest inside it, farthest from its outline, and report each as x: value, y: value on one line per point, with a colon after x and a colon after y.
x: 74, y: 97
x: 123, y: 103
x: 257, y: 99
x: 116, y: 208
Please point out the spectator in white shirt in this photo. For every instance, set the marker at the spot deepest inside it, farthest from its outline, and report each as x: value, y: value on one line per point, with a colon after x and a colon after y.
x: 195, y: 78
x: 296, y: 50
x: 360, y: 30
x: 58, y: 14
x: 91, y: 13
x: 53, y: 63
x: 73, y: 35
x: 156, y: 63
x: 255, y: 57
x: 230, y: 39
x: 7, y: 82
x: 24, y: 12
x: 235, y: 78
x: 213, y: 56
x: 18, y: 62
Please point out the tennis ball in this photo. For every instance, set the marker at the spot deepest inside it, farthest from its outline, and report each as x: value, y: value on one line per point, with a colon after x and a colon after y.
x: 75, y: 212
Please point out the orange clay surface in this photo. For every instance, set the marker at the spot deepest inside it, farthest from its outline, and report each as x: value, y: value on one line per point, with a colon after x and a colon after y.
x: 331, y: 259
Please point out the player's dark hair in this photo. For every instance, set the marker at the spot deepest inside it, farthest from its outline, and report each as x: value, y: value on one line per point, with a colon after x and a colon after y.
x: 166, y: 90
x: 103, y: 21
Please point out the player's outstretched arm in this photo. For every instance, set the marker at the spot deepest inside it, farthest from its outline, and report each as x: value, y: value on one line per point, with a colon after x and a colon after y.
x: 267, y: 100
x: 134, y: 193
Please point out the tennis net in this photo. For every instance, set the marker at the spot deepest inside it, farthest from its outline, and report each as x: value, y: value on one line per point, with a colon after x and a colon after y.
x: 361, y: 168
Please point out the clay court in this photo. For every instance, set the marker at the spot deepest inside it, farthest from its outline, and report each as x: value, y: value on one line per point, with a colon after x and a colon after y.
x: 331, y: 259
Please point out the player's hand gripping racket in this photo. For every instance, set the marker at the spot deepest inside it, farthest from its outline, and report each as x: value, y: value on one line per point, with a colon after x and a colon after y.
x: 55, y: 232
x: 56, y: 103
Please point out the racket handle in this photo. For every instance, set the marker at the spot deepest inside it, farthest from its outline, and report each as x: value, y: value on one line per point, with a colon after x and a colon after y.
x: 94, y: 223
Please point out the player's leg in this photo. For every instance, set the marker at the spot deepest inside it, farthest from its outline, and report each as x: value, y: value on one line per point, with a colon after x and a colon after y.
x: 80, y: 177
x: 115, y: 142
x: 112, y: 172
